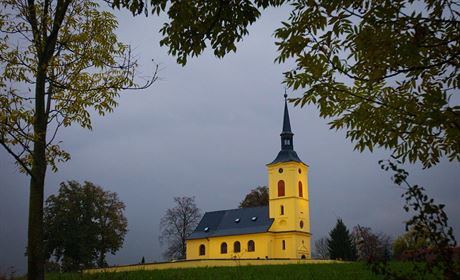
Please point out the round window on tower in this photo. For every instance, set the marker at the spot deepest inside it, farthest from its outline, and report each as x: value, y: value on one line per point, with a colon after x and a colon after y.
x: 280, y: 170
x: 300, y: 171
x: 301, y: 224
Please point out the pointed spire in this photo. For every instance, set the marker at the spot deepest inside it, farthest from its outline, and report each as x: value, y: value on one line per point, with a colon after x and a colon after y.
x: 286, y: 134
x: 287, y: 152
x: 286, y: 122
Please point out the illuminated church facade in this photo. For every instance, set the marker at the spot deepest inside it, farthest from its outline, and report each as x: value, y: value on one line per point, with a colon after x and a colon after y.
x: 280, y: 230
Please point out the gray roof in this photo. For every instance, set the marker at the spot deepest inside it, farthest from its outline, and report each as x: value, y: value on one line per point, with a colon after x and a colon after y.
x: 233, y: 222
x: 286, y: 156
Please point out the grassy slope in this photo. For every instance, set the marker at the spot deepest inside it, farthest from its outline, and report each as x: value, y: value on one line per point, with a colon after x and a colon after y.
x: 311, y: 271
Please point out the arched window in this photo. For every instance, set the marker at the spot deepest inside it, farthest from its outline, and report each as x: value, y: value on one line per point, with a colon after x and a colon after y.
x: 251, y: 246
x: 280, y: 188
x: 202, y: 250
x: 281, y: 210
x: 223, y: 248
x: 300, y: 189
x: 284, y: 245
x: 236, y: 247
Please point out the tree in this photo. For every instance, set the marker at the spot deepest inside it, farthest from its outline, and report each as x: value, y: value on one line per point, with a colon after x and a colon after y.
x: 256, y: 198
x: 322, y: 249
x: 177, y: 224
x: 371, y: 246
x: 82, y: 224
x: 340, y: 243
x: 59, y: 59
x: 430, y: 229
x: 408, y: 242
x: 397, y: 61
x: 192, y: 23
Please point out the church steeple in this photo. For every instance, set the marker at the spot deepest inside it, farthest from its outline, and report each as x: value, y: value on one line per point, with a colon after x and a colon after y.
x: 287, y: 152
x: 288, y: 195
x: 286, y: 134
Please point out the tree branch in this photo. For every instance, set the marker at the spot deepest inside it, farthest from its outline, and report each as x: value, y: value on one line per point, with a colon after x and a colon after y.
x: 17, y: 158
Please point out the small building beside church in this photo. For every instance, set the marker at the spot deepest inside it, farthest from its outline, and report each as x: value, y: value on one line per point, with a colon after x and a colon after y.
x: 279, y: 230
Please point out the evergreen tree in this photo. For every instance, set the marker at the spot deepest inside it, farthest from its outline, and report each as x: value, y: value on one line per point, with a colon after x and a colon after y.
x: 340, y: 243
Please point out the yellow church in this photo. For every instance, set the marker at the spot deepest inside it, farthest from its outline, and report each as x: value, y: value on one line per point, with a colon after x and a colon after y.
x: 280, y: 230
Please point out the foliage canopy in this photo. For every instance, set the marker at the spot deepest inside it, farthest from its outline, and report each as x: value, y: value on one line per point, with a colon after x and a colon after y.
x: 386, y: 71
x: 408, y: 242
x: 82, y: 224
x: 86, y: 67
x: 256, y: 198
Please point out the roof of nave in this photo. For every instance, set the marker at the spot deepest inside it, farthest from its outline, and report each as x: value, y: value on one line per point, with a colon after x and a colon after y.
x: 233, y: 222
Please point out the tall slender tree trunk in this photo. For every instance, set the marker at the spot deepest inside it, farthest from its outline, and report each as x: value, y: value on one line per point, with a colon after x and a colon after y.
x: 45, y: 44
x: 36, y: 254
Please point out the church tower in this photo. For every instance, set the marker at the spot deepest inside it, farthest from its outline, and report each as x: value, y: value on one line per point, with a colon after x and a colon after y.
x: 288, y: 198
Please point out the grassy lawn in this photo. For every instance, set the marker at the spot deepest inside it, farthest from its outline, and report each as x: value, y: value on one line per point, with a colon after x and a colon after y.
x: 308, y: 271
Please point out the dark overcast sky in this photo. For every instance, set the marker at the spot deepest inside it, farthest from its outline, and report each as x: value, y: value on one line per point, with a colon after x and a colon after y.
x: 207, y: 130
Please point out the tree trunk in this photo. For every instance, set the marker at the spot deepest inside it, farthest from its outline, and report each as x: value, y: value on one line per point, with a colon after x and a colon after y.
x: 36, y: 256
x: 183, y: 249
x: 101, y: 261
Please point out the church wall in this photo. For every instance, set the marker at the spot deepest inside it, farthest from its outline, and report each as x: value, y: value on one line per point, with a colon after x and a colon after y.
x: 267, y: 245
x: 302, y: 245
x: 262, y: 242
x: 295, y: 245
x: 193, y: 249
x: 302, y: 207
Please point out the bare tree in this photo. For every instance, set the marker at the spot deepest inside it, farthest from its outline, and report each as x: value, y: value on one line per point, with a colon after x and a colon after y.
x: 177, y: 224
x: 371, y: 245
x: 322, y: 249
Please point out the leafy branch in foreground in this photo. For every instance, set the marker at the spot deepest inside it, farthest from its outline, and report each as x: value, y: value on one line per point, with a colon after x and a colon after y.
x: 195, y: 25
x: 429, y: 223
x: 385, y: 71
